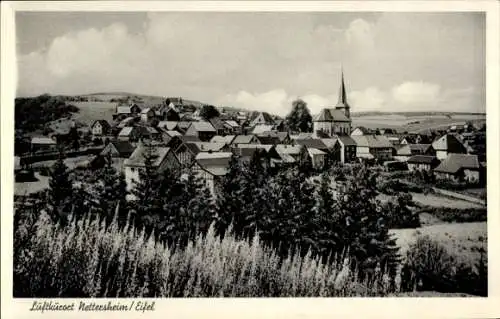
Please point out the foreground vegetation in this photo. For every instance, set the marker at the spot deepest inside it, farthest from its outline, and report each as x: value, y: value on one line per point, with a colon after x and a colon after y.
x: 89, y: 258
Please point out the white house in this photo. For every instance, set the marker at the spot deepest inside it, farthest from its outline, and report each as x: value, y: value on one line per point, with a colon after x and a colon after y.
x: 448, y: 144
x: 100, y: 127
x: 162, y: 158
x: 373, y: 147
x: 211, y: 167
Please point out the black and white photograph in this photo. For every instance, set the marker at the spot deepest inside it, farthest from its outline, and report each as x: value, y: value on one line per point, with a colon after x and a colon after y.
x: 188, y: 154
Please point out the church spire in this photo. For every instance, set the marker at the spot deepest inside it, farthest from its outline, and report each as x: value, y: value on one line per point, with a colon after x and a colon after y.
x: 342, y: 102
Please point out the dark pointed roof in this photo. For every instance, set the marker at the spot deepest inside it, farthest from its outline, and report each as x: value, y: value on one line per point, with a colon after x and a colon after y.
x: 342, y: 102
x: 324, y: 116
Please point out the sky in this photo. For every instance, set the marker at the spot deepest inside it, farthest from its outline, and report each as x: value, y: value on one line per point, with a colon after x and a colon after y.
x: 260, y: 61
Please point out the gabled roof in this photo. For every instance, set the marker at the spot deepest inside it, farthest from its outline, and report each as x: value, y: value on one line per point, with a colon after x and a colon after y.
x: 123, y: 110
x: 125, y: 122
x: 347, y: 140
x: 449, y: 143
x: 124, y: 148
x: 331, y: 115
x: 260, y: 128
x: 214, y: 163
x: 202, y: 126
x: 329, y: 142
x: 146, y: 110
x: 169, y: 125
x: 43, y: 140
x: 126, y: 131
x: 103, y: 123
x: 217, y: 123
x: 422, y: 159
x: 209, y: 147
x: 372, y: 141
x: 315, y: 151
x: 243, y: 139
x: 232, y: 123
x: 228, y: 139
x: 172, y: 133
x: 267, y: 148
x: 288, y: 149
x: 312, y: 143
x: 324, y: 116
x: 183, y: 124
x: 137, y: 157
x: 268, y: 139
x: 364, y: 130
x: 454, y: 162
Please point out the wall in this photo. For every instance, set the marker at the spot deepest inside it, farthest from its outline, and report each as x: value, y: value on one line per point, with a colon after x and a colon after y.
x: 441, y: 155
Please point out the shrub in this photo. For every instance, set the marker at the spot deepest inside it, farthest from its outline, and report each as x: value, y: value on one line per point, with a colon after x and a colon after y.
x: 89, y: 258
x: 457, y: 215
x: 429, y: 266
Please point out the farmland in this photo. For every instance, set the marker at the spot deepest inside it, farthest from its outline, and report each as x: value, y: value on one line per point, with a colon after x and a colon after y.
x: 462, y: 240
x: 417, y: 123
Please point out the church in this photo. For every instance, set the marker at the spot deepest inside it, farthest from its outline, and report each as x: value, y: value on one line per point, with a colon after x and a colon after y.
x: 335, y: 121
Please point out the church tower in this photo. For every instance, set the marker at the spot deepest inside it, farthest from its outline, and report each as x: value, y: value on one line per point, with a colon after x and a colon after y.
x: 342, y: 102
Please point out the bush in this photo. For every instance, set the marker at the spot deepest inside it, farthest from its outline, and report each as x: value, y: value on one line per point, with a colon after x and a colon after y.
x: 91, y: 259
x: 457, y: 215
x: 429, y: 267
x: 395, y: 186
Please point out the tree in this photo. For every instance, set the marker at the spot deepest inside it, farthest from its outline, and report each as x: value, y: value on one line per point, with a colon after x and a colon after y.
x: 299, y: 119
x: 208, y: 112
x: 111, y: 188
x: 60, y: 190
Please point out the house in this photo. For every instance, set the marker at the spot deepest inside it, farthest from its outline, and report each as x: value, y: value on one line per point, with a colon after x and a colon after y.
x: 422, y: 163
x: 415, y: 139
x: 163, y: 158
x: 405, y: 151
x: 460, y: 167
x: 268, y: 139
x: 168, y: 125
x: 261, y: 128
x: 123, y: 111
x: 232, y: 127
x: 446, y: 145
x: 245, y: 139
x: 203, y: 130
x: 228, y: 139
x: 361, y: 130
x: 282, y: 137
x: 43, y: 144
x: 387, y: 131
x: 347, y: 147
x: 147, y: 115
x: 318, y: 157
x: 167, y: 113
x: 335, y: 121
x: 211, y: 168
x: 182, y: 126
x: 100, y: 127
x: 128, y: 121
x: 220, y: 126
x: 292, y: 153
x: 373, y: 147
x: 245, y: 153
x: 118, y: 149
x: 261, y: 118
x: 133, y: 134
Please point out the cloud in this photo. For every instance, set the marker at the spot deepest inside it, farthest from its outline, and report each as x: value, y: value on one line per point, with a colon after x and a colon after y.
x: 371, y: 99
x: 416, y: 93
x: 360, y: 34
x: 214, y: 57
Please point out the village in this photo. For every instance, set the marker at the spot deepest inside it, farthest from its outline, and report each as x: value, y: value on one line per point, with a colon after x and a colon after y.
x: 204, y: 139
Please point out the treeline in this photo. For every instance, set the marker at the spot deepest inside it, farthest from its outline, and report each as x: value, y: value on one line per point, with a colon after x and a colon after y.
x: 33, y: 113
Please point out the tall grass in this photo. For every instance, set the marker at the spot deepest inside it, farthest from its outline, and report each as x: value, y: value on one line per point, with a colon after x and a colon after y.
x: 88, y: 258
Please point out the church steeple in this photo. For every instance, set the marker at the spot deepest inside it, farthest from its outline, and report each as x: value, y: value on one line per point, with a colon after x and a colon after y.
x: 342, y: 101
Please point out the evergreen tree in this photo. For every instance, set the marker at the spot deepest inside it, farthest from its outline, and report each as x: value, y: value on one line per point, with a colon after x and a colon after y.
x: 112, y: 190
x: 146, y: 192
x: 60, y: 190
x: 366, y: 232
x: 299, y: 119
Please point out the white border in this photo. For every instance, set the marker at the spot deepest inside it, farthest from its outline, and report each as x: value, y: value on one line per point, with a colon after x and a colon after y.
x: 268, y: 308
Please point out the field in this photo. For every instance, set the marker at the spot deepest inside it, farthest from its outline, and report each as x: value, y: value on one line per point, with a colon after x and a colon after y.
x: 43, y: 181
x: 463, y: 239
x: 91, y: 111
x: 414, y: 123
x: 435, y: 200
